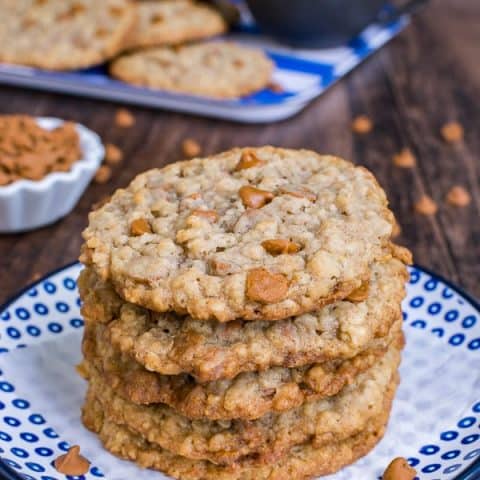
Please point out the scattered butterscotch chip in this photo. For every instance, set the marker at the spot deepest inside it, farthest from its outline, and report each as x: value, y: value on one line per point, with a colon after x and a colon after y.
x: 103, y: 174
x: 36, y: 276
x: 399, y: 469
x: 276, y: 87
x: 140, y: 226
x: 248, y: 160
x: 278, y: 246
x: 299, y: 192
x: 362, y: 125
x: 82, y: 370
x: 210, y: 215
x: 191, y: 148
x: 113, y: 154
x: 124, y: 118
x: 219, y: 268
x: 426, y: 206
x: 396, y: 230
x: 360, y: 294
x: 254, y: 197
x: 458, y: 196
x: 266, y: 287
x: 72, y: 463
x: 452, y: 132
x: 404, y: 159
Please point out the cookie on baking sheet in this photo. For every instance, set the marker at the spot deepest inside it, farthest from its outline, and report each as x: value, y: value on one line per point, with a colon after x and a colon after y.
x: 171, y: 22
x: 253, y: 233
x: 63, y: 35
x: 229, y: 441
x: 249, y: 395
x: 301, y: 462
x: 208, y: 350
x: 220, y: 69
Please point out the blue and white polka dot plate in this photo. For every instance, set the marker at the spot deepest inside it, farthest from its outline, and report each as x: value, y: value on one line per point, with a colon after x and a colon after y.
x: 435, y: 421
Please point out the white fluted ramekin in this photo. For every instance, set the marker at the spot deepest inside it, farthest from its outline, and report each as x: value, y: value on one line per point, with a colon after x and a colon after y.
x: 27, y: 204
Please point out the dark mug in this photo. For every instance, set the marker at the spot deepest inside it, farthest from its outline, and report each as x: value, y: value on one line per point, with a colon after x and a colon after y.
x: 321, y: 23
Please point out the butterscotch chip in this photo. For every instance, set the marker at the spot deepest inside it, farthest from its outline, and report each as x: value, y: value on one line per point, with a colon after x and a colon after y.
x: 191, y: 148
x: 397, y: 229
x: 113, y: 154
x: 362, y: 124
x: 124, y: 118
x: 248, y: 160
x: 458, y: 196
x: 426, y: 206
x: 452, y: 132
x: 266, y: 287
x: 278, y: 246
x: 210, y: 215
x: 139, y: 227
x: 404, y: 159
x: 103, y: 174
x: 399, y: 469
x: 360, y: 294
x: 72, y: 463
x: 254, y: 197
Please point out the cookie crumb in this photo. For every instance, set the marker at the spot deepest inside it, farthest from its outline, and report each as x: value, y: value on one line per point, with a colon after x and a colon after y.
x: 191, y: 148
x: 72, y: 463
x: 404, y: 159
x: 362, y: 125
x: 103, y: 175
x: 426, y: 206
x: 458, y: 196
x: 396, y: 230
x: 124, y: 118
x: 276, y: 87
x: 113, y: 155
x: 452, y: 132
x: 399, y: 469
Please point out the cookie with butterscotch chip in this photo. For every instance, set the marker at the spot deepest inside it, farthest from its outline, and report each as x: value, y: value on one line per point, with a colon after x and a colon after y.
x: 219, y: 70
x: 223, y: 267
x: 63, y: 35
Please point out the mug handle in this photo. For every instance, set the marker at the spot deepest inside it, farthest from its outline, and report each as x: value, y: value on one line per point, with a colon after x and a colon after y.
x: 408, y: 8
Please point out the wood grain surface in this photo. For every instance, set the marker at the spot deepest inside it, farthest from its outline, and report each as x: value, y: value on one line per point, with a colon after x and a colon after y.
x: 427, y: 76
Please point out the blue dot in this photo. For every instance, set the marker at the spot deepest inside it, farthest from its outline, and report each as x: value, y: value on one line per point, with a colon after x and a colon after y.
x: 447, y: 293
x: 434, y: 308
x: 429, y: 449
x: 5, y: 316
x: 40, y: 308
x: 419, y: 324
x: 62, y: 307
x: 36, y: 419
x: 19, y: 452
x: 78, y: 302
x: 13, y: 422
x: 78, y: 477
x: 49, y: 287
x: 412, y: 461
x: 44, y: 451
x: 466, y: 422
x: 451, y: 315
x: 474, y: 344
x: 32, y: 292
x: 472, y: 454
x: 35, y: 467
x: 6, y: 387
x: 76, y: 322
x: 95, y: 471
x: 451, y: 454
x: 430, y: 285
x: 452, y: 468
x: 27, y: 477
x: 469, y: 321
x: 13, y: 332
x: 448, y: 436
x: 470, y: 439
x: 11, y: 463
x: 417, y: 302
x: 29, y: 437
x: 22, y: 313
x: 433, y: 467
x: 456, y: 339
x: 20, y: 403
x: 55, y: 327
x: 3, y: 350
x: 439, y: 332
x: 64, y: 446
x: 404, y: 315
x: 2, y: 405
x: 5, y: 437
x: 414, y: 277
x: 44, y: 477
x: 476, y: 407
x: 69, y: 283
x: 50, y: 433
x: 33, y: 331
x: 21, y: 345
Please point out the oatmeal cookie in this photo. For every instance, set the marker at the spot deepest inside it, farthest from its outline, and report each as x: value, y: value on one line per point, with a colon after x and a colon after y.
x: 171, y: 22
x: 265, y: 439
x: 218, y: 70
x: 171, y: 345
x: 253, y: 233
x: 301, y: 462
x: 63, y: 35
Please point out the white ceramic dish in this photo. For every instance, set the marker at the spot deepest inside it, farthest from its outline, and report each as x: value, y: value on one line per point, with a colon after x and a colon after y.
x: 26, y: 204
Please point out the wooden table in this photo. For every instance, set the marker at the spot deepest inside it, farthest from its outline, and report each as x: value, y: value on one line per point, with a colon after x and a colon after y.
x: 430, y: 74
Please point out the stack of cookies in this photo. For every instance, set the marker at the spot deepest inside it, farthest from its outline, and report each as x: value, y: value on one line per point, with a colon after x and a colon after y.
x: 243, y: 316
